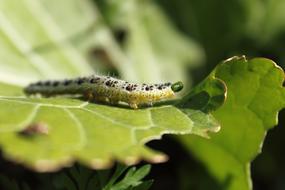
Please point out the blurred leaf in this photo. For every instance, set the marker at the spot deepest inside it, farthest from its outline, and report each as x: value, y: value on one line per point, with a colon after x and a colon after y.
x: 155, y: 49
x: 218, y: 25
x: 20, y: 43
x: 255, y: 95
x: 266, y: 20
x: 226, y: 28
x: 78, y: 177
x: 12, y: 184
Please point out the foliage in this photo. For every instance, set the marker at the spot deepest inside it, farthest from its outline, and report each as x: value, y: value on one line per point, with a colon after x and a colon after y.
x: 155, y: 51
x: 226, y: 28
x: 245, y: 117
x: 137, y: 41
x: 73, y: 129
x: 79, y: 177
x: 91, y: 133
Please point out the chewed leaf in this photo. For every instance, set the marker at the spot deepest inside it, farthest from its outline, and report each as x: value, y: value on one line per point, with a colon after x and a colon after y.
x: 49, y: 133
x: 255, y: 96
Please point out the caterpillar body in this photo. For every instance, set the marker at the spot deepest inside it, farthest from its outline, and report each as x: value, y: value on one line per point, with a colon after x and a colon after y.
x: 106, y: 89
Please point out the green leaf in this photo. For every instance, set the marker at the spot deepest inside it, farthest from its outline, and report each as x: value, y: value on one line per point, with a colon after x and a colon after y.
x: 255, y: 95
x: 79, y: 177
x: 207, y: 96
x: 132, y: 179
x: 204, y: 123
x: 91, y: 133
x: 144, y: 185
x: 48, y: 133
x: 120, y: 169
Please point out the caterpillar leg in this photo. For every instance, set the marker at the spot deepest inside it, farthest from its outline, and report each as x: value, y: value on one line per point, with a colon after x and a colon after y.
x: 101, y: 99
x: 113, y: 101
x: 88, y: 96
x: 150, y: 104
x: 133, y: 105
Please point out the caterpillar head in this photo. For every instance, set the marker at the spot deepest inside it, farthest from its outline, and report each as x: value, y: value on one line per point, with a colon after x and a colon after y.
x: 176, y: 87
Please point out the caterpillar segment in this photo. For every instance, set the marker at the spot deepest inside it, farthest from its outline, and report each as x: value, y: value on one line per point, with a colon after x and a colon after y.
x: 106, y: 89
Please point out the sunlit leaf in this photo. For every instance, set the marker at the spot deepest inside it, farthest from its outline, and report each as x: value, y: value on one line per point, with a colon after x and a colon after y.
x: 49, y: 133
x: 255, y: 96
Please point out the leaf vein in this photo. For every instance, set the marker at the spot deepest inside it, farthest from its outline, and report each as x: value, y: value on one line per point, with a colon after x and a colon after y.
x: 80, y: 127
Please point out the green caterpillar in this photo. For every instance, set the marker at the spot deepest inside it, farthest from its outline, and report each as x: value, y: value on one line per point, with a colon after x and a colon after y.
x: 106, y: 89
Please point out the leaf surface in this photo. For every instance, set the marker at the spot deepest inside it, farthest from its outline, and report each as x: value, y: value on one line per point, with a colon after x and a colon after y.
x: 49, y: 133
x: 91, y: 133
x: 255, y: 96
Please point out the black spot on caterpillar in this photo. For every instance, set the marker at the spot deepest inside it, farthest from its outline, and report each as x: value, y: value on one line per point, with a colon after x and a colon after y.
x: 107, y: 89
